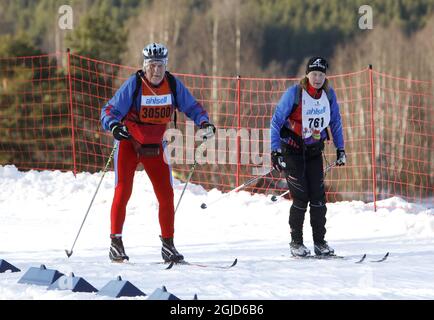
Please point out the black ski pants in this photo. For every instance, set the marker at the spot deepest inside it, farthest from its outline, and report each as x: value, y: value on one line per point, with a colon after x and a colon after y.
x: 305, y: 177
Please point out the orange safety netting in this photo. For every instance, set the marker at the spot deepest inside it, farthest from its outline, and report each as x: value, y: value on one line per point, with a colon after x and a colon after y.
x: 50, y: 109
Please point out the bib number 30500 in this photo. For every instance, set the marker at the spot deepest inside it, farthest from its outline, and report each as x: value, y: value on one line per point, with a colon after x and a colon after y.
x: 155, y: 114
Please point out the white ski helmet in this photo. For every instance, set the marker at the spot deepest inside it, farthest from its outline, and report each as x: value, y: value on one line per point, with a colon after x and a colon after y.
x: 155, y: 52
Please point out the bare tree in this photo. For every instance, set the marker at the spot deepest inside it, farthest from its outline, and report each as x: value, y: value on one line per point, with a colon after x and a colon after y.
x: 398, y: 116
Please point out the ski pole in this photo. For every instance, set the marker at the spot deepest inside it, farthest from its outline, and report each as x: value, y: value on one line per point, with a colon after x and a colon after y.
x: 186, y: 183
x: 69, y: 253
x: 274, y: 198
x: 245, y: 184
x: 189, y: 176
x: 328, y: 168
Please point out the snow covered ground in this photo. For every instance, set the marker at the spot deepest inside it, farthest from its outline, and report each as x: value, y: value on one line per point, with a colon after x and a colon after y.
x: 40, y: 213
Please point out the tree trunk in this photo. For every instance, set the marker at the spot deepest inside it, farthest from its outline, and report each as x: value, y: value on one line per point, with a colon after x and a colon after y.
x: 237, y: 39
x: 215, y: 31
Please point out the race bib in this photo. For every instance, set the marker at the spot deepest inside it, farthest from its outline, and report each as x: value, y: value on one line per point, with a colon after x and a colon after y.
x: 156, y: 109
x: 315, y: 115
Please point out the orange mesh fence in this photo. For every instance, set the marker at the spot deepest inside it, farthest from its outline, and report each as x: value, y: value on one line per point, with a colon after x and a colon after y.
x: 93, y: 83
x: 50, y: 119
x: 34, y: 113
x: 404, y: 129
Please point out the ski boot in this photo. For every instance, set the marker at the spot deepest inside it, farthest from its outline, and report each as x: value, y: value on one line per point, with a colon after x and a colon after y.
x: 323, y: 249
x: 169, y: 252
x: 298, y: 249
x: 117, y: 251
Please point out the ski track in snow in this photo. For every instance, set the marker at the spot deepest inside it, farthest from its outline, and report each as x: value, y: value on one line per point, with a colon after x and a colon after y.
x: 41, y: 213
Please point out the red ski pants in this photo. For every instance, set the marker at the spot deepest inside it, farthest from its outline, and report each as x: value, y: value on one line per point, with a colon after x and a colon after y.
x: 158, y: 171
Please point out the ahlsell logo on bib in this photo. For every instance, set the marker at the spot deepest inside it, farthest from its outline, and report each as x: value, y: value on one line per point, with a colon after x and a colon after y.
x: 157, y: 100
x: 316, y: 111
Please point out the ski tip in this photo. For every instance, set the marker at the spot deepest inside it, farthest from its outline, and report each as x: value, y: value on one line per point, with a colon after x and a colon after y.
x: 170, y: 265
x: 68, y: 253
x: 382, y: 259
x: 203, y: 205
x: 362, y: 259
x: 234, y: 263
x: 385, y: 256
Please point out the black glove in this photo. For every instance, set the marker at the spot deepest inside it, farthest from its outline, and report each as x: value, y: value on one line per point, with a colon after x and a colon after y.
x: 341, y: 158
x: 120, y: 131
x: 277, y: 159
x: 209, y: 130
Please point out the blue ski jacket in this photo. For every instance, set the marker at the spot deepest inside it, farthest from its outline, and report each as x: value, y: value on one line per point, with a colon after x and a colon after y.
x: 119, y: 105
x: 284, y: 109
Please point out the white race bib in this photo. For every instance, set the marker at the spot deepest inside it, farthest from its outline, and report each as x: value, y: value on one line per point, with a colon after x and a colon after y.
x: 315, y: 114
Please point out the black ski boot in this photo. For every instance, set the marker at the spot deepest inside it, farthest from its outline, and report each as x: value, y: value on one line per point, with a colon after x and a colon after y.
x: 117, y: 251
x: 169, y: 252
x: 321, y: 248
x: 298, y: 249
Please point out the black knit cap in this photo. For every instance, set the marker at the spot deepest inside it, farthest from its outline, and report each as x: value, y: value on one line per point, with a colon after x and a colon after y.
x: 317, y: 64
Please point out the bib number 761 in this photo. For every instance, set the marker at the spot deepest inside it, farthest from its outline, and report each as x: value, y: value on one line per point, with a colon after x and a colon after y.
x: 316, y: 122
